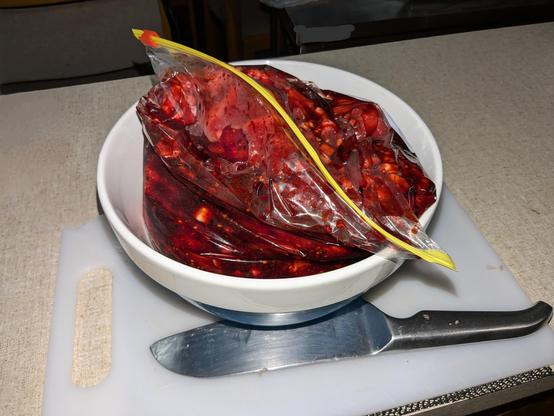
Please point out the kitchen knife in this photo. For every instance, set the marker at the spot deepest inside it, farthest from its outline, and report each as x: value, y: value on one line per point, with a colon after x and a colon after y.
x: 359, y: 329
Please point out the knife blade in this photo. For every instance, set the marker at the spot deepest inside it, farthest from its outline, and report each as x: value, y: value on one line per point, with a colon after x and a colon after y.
x: 359, y: 329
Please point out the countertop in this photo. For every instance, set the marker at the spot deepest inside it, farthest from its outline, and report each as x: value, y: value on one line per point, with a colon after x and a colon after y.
x: 487, y: 96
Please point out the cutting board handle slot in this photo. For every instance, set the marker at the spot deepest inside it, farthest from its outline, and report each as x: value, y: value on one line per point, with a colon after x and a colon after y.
x: 92, y: 340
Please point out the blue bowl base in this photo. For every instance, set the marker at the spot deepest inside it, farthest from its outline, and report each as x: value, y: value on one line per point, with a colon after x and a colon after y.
x: 271, y: 319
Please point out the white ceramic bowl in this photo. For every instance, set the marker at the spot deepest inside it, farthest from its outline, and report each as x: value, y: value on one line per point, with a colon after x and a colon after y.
x: 253, y: 301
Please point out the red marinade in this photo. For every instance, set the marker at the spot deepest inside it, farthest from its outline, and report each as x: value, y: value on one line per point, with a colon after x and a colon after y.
x: 228, y: 191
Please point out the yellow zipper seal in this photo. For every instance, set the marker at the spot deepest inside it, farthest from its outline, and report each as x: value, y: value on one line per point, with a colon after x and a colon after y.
x: 437, y: 256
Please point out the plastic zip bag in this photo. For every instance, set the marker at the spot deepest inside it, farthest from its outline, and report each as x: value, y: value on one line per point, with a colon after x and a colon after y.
x: 265, y: 160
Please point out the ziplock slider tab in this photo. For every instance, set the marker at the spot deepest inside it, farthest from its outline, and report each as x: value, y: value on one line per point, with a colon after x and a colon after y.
x: 146, y: 37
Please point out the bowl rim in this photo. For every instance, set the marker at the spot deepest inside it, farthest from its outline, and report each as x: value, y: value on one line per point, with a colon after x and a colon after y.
x: 244, y: 283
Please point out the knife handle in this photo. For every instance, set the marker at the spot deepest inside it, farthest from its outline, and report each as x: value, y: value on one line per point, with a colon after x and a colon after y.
x: 438, y: 328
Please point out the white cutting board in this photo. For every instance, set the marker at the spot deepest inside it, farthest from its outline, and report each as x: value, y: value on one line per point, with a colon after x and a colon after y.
x: 144, y: 312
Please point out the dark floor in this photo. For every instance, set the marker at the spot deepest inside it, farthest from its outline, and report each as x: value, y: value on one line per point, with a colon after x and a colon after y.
x: 243, y: 29
x: 538, y: 405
